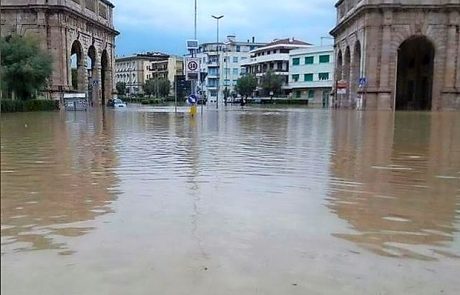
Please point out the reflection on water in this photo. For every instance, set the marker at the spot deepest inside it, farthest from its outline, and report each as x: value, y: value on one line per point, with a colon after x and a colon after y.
x: 54, y: 175
x: 254, y: 201
x: 396, y: 181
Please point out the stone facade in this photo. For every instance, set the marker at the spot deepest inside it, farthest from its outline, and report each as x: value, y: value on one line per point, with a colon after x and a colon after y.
x: 64, y: 27
x: 369, y: 38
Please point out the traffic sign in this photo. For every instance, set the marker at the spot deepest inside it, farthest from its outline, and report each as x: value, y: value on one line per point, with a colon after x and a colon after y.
x: 192, y: 65
x: 192, y: 99
x: 362, y: 82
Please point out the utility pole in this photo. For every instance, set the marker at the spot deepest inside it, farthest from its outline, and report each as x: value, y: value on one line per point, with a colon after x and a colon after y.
x: 217, y: 18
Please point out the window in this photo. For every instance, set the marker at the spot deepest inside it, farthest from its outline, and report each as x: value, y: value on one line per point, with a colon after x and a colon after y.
x: 298, y: 94
x: 91, y: 5
x: 324, y: 59
x: 323, y: 76
x: 296, y: 61
x: 311, y: 93
x: 235, y: 59
x: 308, y: 77
x: 309, y: 60
x: 243, y: 57
x: 238, y: 48
x: 295, y: 77
x: 235, y: 72
x: 102, y: 11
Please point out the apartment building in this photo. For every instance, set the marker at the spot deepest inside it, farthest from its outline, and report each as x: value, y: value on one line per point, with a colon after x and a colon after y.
x: 134, y: 70
x: 221, y: 65
x: 166, y: 68
x: 273, y: 57
x: 311, y: 74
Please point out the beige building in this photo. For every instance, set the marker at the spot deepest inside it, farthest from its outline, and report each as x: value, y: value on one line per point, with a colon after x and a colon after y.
x: 167, y: 68
x: 79, y: 35
x: 137, y: 69
x: 408, y: 51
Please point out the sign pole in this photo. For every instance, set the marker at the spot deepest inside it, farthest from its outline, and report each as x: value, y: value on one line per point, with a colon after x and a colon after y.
x: 175, y: 95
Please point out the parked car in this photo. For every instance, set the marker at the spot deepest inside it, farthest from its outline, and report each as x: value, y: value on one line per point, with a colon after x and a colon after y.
x: 116, y: 103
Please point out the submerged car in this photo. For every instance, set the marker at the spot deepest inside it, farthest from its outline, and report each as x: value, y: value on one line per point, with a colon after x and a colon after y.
x: 116, y: 103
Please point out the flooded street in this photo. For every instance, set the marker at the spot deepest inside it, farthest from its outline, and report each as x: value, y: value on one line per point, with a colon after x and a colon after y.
x: 260, y: 201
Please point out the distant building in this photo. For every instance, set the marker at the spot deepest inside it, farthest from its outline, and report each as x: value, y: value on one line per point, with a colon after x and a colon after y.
x: 135, y: 70
x: 221, y: 65
x: 273, y: 57
x: 311, y: 74
x: 166, y: 68
x: 408, y: 52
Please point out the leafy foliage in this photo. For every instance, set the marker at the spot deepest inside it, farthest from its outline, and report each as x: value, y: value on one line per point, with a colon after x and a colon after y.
x: 10, y: 106
x: 272, y: 83
x: 121, y: 88
x: 25, y: 67
x: 246, y: 85
x: 160, y: 87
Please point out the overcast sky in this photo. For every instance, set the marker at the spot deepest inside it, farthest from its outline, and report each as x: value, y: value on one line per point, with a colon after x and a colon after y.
x: 164, y: 25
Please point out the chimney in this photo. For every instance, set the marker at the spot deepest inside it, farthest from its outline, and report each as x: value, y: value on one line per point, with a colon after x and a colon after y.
x: 253, y: 39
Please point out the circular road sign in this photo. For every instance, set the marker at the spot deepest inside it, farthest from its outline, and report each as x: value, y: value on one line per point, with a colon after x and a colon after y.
x: 192, y: 66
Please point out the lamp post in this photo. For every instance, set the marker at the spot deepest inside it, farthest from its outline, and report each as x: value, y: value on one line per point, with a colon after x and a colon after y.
x: 217, y: 18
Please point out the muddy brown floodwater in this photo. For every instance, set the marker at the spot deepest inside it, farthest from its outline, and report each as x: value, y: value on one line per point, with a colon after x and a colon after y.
x: 260, y: 201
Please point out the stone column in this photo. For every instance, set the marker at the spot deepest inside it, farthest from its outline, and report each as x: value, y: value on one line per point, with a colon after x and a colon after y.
x: 452, y: 59
x: 82, y: 74
x: 97, y: 99
x: 385, y: 97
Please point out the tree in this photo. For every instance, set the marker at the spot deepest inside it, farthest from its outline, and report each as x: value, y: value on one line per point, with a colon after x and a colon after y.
x: 121, y: 88
x: 149, y: 87
x: 25, y: 67
x: 246, y: 85
x: 164, y: 87
x: 271, y: 82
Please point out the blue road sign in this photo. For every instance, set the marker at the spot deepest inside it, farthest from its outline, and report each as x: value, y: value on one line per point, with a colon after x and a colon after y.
x: 192, y: 99
x: 362, y: 82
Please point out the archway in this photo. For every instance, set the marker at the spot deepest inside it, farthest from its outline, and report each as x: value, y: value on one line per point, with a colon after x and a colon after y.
x: 338, y: 77
x: 92, y: 78
x: 355, y: 70
x: 339, y: 66
x: 346, y: 75
x: 105, y: 77
x: 415, y: 74
x: 77, y: 68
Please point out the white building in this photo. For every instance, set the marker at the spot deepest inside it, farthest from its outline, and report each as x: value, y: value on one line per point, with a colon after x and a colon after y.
x: 311, y: 74
x: 221, y: 65
x: 272, y: 57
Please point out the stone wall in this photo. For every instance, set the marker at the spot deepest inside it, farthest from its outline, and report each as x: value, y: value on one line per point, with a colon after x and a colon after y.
x: 58, y: 24
x: 378, y: 29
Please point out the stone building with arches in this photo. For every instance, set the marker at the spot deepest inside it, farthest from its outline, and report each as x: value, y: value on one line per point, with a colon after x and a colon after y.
x: 79, y: 35
x: 408, y: 51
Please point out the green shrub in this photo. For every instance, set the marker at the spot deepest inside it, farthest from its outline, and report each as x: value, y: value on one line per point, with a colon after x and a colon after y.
x: 40, y: 105
x: 145, y: 101
x: 11, y: 106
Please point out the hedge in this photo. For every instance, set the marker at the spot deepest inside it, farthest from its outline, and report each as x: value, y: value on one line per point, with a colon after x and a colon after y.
x: 11, y: 106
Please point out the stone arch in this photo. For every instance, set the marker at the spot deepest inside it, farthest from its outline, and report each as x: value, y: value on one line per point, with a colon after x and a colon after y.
x: 339, y: 67
x: 346, y: 73
x: 415, y: 68
x: 355, y: 71
x: 77, y: 71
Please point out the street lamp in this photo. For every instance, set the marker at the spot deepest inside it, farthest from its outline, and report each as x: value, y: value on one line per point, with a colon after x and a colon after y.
x: 217, y: 18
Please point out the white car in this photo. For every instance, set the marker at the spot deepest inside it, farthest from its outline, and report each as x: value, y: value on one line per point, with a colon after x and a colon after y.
x: 117, y: 103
